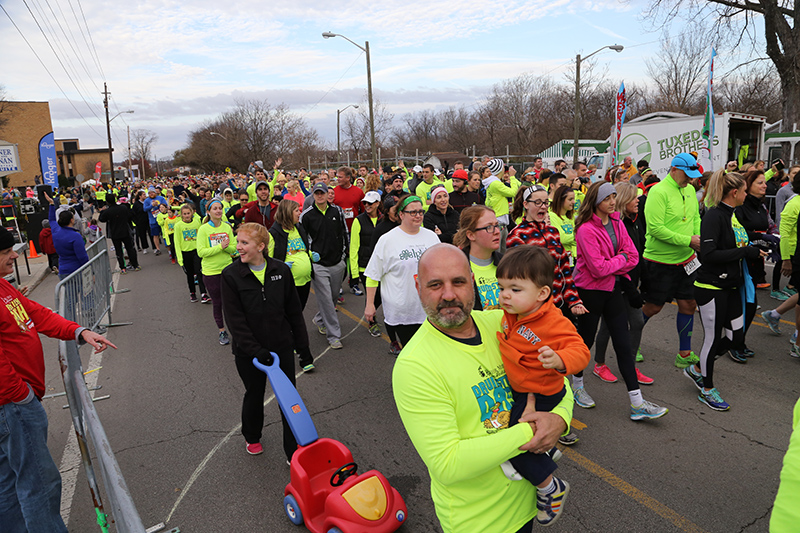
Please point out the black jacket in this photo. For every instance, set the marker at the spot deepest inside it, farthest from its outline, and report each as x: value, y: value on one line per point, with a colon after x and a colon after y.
x: 263, y: 318
x: 118, y: 218
x: 447, y: 222
x: 384, y: 226
x: 752, y: 214
x: 281, y: 238
x: 721, y: 260
x: 327, y: 233
x: 462, y: 200
x: 139, y: 216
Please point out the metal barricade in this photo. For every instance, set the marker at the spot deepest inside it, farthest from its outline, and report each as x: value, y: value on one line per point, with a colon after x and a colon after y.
x: 87, y: 291
x: 85, y: 297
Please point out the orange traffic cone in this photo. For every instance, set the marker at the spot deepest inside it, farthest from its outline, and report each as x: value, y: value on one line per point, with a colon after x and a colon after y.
x: 32, y: 253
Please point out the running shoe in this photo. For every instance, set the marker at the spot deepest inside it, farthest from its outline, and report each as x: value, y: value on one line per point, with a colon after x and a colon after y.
x: 748, y: 352
x: 555, y: 454
x: 145, y: 252
x: 773, y: 323
x: 603, y: 372
x: 779, y: 295
x: 683, y: 362
x: 550, y: 506
x: 157, y: 252
x: 738, y: 356
x: 648, y: 411
x: 123, y: 271
x: 582, y: 398
x: 309, y: 367
x: 569, y: 439
x: 223, y: 338
x: 793, y: 339
x: 336, y: 344
x: 375, y: 329
x: 394, y: 348
x: 205, y: 298
x: 254, y: 448
x: 795, y: 351
x: 642, y: 379
x: 639, y: 356
x: 173, y: 261
x: 712, y: 399
x: 137, y: 269
x: 790, y: 291
x: 764, y: 285
x: 322, y: 329
x: 340, y: 300
x: 695, y: 376
x: 193, y: 298
x: 357, y: 291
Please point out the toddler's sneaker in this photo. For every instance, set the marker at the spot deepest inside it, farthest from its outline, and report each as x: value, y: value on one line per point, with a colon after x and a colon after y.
x: 550, y: 506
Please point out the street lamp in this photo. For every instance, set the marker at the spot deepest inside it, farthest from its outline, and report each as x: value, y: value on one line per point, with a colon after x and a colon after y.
x: 578, y: 59
x: 365, y: 49
x: 338, y: 147
x: 219, y: 134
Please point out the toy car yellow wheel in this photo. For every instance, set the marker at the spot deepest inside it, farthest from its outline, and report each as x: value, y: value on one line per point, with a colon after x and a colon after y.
x: 293, y: 510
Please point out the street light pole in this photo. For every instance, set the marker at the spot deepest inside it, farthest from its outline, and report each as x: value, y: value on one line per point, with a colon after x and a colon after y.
x: 577, y: 122
x: 365, y: 49
x: 338, y: 145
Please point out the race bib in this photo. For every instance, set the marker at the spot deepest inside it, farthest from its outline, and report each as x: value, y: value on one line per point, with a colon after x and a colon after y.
x: 216, y: 238
x: 692, y: 265
x: 348, y: 212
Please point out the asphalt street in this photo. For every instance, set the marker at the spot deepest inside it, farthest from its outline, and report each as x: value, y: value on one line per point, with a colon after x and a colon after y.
x: 173, y: 417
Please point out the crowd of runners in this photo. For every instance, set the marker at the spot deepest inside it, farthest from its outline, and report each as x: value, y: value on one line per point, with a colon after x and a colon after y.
x: 558, y: 261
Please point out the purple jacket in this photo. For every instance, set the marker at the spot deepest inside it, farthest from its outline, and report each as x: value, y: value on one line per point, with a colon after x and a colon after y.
x: 597, y: 262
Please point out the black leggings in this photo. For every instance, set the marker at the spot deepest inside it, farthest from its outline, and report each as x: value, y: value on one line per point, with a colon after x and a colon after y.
x: 191, y: 265
x: 611, y: 307
x: 404, y: 332
x: 302, y: 292
x: 131, y: 249
x: 142, y: 233
x: 255, y: 385
x: 723, y: 326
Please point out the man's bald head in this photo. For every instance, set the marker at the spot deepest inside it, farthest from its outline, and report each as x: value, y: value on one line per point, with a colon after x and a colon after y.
x: 445, y: 286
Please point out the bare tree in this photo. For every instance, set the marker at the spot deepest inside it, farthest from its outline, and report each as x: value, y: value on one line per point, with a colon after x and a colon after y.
x: 5, y: 106
x: 357, y: 132
x: 781, y: 31
x: 754, y: 90
x: 458, y: 129
x: 142, y: 142
x: 679, y: 71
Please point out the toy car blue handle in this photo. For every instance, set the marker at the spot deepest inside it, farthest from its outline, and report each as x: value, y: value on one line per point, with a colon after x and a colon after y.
x: 289, y: 401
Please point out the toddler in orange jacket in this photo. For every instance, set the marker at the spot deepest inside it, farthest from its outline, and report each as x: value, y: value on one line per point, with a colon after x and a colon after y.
x: 539, y: 346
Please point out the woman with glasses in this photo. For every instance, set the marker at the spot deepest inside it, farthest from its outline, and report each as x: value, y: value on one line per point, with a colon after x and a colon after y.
x: 606, y: 254
x: 393, y: 265
x: 479, y: 237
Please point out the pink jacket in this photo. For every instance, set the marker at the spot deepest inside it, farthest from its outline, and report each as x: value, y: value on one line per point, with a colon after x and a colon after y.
x: 597, y: 262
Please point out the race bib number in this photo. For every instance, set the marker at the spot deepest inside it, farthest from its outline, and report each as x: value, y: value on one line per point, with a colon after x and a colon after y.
x: 348, y: 212
x: 692, y: 265
x: 216, y: 238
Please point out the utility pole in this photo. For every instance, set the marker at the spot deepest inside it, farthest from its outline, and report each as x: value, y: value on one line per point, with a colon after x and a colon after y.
x: 130, y: 171
x: 106, y: 94
x: 369, y: 96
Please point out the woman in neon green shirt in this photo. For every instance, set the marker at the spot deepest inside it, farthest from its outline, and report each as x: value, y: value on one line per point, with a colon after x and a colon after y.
x: 216, y: 246
x: 185, y: 239
x: 289, y: 243
x: 562, y: 217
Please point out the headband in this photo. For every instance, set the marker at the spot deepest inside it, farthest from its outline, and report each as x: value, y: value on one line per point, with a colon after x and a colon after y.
x: 408, y: 200
x: 208, y: 206
x: 604, y: 191
x: 530, y: 190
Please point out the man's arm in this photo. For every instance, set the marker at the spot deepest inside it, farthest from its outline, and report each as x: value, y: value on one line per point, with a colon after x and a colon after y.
x: 429, y: 416
x: 655, y: 210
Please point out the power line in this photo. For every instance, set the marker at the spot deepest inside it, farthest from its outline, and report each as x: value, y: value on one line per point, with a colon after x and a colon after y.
x: 49, y: 73
x: 334, y: 85
x: 59, y: 59
x: 69, y: 27
x: 97, y: 57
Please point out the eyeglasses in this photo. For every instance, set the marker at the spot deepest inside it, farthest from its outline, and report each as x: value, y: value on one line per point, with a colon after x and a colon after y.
x: 693, y: 167
x: 491, y: 228
x: 539, y: 203
x: 415, y: 213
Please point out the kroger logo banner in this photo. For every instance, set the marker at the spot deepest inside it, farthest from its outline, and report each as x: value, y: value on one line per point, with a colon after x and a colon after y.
x: 47, y: 160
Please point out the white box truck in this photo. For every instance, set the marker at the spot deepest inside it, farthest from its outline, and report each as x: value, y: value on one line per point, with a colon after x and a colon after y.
x: 657, y: 137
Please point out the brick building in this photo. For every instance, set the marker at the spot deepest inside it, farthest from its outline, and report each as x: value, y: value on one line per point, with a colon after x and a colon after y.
x: 27, y: 123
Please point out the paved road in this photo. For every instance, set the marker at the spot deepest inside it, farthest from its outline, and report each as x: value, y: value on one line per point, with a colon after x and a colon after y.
x: 173, y: 418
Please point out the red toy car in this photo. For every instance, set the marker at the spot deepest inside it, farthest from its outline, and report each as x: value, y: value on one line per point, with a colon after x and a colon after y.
x: 325, y: 491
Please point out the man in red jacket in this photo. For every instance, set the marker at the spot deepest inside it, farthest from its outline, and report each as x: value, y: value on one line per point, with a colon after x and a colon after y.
x: 348, y: 197
x: 30, y: 484
x: 262, y: 211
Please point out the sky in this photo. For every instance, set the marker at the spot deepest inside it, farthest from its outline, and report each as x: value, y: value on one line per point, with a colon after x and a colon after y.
x: 177, y: 64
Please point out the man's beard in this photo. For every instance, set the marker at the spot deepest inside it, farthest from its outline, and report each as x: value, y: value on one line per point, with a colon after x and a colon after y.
x: 452, y: 321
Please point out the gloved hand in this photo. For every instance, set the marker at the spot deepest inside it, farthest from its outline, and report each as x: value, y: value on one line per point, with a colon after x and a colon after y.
x: 635, y: 298
x: 290, y: 263
x: 315, y: 257
x: 264, y: 357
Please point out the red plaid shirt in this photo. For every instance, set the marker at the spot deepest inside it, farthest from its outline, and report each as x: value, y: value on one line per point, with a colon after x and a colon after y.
x: 541, y: 234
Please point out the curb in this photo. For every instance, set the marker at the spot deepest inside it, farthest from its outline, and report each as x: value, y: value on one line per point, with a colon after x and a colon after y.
x: 38, y: 279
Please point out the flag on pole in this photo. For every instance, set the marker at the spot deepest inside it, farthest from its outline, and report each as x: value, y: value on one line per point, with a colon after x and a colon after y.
x: 621, y: 108
x: 708, y: 123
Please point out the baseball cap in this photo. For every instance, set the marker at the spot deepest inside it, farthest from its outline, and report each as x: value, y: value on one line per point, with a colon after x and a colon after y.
x: 320, y: 187
x: 460, y: 174
x: 417, y: 169
x: 260, y: 183
x: 686, y: 163
x: 371, y: 197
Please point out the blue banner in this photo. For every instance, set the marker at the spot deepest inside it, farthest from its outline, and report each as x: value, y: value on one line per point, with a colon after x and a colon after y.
x: 48, y: 161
